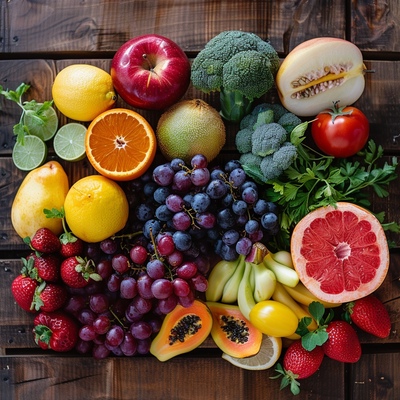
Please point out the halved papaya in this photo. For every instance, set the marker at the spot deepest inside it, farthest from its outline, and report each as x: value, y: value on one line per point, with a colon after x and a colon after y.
x: 232, y: 332
x: 182, y: 330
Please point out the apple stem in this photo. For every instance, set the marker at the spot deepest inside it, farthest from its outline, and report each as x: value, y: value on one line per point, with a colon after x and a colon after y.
x: 148, y: 62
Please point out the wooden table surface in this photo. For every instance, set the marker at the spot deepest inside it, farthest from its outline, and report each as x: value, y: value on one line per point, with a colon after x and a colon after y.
x: 39, y: 38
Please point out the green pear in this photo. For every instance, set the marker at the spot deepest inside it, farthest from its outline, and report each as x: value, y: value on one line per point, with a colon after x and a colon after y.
x: 43, y: 188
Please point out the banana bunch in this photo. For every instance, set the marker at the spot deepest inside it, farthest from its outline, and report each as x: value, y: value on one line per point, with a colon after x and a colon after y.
x: 261, y: 276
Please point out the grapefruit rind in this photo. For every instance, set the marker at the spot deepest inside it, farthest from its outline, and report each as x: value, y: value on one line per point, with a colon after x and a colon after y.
x: 340, y: 253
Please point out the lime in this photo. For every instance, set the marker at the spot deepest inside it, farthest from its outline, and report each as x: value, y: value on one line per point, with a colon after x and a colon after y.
x: 31, y: 154
x: 69, y: 142
x: 43, y: 125
x: 270, y: 351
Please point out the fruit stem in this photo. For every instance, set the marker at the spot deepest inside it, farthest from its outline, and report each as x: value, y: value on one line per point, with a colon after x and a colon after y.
x: 149, y: 64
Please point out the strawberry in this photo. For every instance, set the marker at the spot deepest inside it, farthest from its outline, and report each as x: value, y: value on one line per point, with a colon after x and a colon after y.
x: 77, y: 271
x: 45, y: 241
x: 49, y: 297
x: 343, y: 344
x: 71, y: 247
x: 299, y: 363
x: 370, y: 315
x: 23, y: 289
x: 47, y: 266
x: 56, y: 331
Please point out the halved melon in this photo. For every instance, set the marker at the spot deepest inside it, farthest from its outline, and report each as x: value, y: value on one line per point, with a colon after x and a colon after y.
x: 182, y: 330
x: 341, y: 254
x: 232, y: 332
x: 319, y: 72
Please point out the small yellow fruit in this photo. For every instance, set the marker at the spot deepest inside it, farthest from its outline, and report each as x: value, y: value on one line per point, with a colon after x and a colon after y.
x: 188, y: 128
x: 44, y: 187
x: 96, y: 208
x: 82, y: 92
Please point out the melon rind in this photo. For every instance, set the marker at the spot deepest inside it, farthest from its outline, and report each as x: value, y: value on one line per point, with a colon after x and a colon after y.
x: 314, y: 55
x: 299, y: 261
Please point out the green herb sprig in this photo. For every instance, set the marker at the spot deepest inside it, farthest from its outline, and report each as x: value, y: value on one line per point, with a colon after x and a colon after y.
x: 28, y: 107
x: 315, y: 180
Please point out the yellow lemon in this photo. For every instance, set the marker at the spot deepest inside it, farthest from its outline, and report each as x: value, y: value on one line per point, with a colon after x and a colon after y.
x: 96, y: 208
x: 82, y: 92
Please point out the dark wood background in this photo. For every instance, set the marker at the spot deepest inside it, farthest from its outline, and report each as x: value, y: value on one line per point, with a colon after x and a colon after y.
x: 40, y: 37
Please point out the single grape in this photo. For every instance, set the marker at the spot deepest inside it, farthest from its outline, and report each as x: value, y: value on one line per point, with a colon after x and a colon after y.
x: 142, y: 305
x: 141, y: 329
x: 216, y: 189
x: 99, y: 303
x: 86, y: 316
x: 181, y: 182
x: 226, y: 219
x: 163, y: 213
x: 143, y: 346
x: 256, y: 236
x: 200, y: 202
x: 237, y: 177
x: 243, y: 246
x: 138, y: 254
x: 250, y: 195
x: 115, y: 335
x: 227, y: 252
x: 101, y: 324
x: 151, y: 228
x: 174, y: 202
x: 251, y: 226
x: 108, y: 246
x: 129, y: 345
x: 199, y: 282
x: 162, y: 288
x: 177, y: 164
x: 199, y: 161
x: 175, y: 258
x: 114, y: 282
x: 239, y: 207
x: 100, y: 352
x: 128, y: 287
x: 269, y: 221
x: 87, y: 333
x: 182, y: 240
x: 155, y: 268
x: 144, y: 283
x: 83, y: 346
x: 149, y: 188
x: 186, y: 301
x: 231, y: 165
x: 163, y: 174
x: 230, y: 237
x: 144, y: 212
x: 262, y: 206
x: 104, y: 268
x: 75, y: 303
x: 181, y: 287
x: 120, y: 263
x: 186, y: 270
x: 181, y: 221
x: 227, y: 200
x: 165, y: 244
x: 161, y: 194
x: 206, y: 220
x: 200, y: 176
x: 217, y: 173
x: 166, y: 305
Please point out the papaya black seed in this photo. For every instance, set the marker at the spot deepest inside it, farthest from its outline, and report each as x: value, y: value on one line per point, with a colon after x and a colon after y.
x: 236, y: 330
x: 188, y: 325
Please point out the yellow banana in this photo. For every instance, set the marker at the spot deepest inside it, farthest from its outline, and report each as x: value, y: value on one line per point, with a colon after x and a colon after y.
x: 219, y: 275
x: 283, y: 257
x: 283, y: 273
x: 245, y: 294
x: 264, y: 282
x: 280, y: 294
x: 230, y: 291
x: 303, y: 296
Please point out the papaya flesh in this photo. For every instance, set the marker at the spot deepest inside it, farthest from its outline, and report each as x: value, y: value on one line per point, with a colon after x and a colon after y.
x: 183, y: 330
x: 232, y: 332
x: 319, y: 72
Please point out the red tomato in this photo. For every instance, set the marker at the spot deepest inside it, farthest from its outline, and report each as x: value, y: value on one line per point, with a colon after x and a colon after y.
x: 340, y: 132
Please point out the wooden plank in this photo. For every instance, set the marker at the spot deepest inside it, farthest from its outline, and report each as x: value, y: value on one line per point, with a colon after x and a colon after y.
x: 99, y: 26
x: 195, y: 378
x: 376, y: 377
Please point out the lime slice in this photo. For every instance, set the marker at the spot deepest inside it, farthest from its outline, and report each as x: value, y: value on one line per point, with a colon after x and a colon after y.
x: 69, y: 142
x: 45, y: 130
x: 31, y: 154
x: 270, y: 351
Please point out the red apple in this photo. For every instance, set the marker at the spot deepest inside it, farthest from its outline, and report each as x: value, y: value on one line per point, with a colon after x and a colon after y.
x: 150, y: 72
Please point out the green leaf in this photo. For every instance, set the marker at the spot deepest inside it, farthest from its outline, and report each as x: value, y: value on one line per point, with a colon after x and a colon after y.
x: 313, y: 339
x: 297, y: 135
x: 317, y: 310
x: 254, y: 172
x: 54, y: 213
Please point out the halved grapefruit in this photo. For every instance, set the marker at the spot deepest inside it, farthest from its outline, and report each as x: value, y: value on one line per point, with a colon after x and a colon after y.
x: 340, y: 253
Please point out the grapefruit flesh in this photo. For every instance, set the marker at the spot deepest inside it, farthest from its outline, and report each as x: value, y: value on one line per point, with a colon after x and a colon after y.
x: 341, y: 254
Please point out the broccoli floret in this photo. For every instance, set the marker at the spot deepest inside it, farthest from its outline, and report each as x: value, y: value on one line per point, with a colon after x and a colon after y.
x: 277, y: 109
x: 243, y: 140
x: 250, y: 159
x: 248, y: 121
x: 272, y: 166
x: 289, y: 121
x: 240, y: 78
x: 267, y: 139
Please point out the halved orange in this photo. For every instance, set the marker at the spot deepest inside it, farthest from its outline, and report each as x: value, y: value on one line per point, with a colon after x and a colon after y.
x: 120, y: 144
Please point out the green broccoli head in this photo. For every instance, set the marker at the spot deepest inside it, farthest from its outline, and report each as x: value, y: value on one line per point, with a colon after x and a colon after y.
x: 267, y: 139
x: 249, y: 159
x: 238, y: 64
x: 249, y: 73
x: 273, y: 165
x: 289, y: 121
x: 243, y: 140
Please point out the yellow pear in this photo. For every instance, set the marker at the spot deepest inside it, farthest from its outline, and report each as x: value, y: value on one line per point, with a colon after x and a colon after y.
x: 43, y: 188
